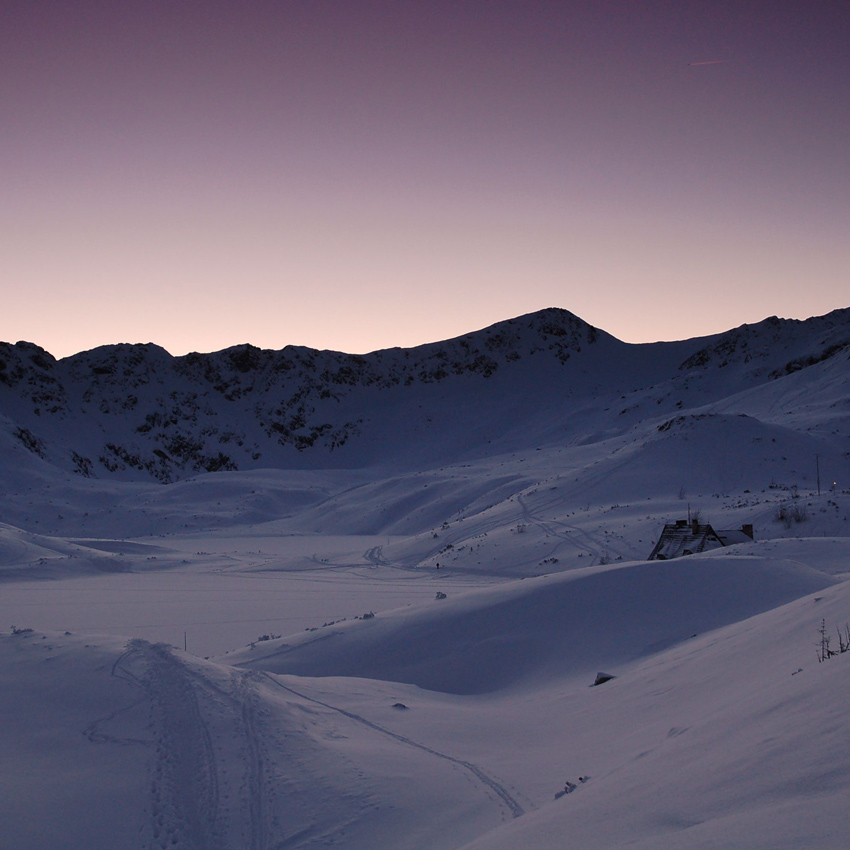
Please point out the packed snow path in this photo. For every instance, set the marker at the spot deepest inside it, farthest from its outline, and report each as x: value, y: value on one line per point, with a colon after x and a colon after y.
x: 186, y: 806
x: 225, y: 761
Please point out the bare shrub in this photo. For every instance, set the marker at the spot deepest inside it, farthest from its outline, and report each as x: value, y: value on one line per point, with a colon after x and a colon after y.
x: 788, y: 514
x: 824, y: 645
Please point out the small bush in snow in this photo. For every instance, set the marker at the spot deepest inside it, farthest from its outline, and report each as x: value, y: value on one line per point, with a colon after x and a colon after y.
x: 788, y: 514
x: 824, y: 648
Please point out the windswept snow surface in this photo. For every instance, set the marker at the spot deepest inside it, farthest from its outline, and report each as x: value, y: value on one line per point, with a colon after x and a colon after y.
x: 565, y: 625
x: 733, y: 737
x: 393, y: 622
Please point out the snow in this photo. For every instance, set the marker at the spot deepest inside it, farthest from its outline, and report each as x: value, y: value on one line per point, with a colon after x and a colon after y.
x: 565, y: 626
x: 342, y: 689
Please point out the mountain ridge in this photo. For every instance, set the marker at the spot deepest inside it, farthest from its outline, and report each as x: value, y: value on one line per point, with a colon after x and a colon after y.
x: 135, y: 411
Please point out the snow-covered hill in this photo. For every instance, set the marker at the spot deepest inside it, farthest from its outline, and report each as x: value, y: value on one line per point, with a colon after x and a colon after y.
x: 732, y: 736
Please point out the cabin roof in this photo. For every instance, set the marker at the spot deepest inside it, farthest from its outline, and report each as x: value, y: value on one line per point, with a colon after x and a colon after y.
x: 687, y: 538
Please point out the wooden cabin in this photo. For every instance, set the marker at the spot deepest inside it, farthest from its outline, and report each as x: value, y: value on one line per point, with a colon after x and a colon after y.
x: 687, y: 538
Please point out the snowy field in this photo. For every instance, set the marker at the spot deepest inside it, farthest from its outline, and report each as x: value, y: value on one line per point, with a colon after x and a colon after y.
x: 403, y: 655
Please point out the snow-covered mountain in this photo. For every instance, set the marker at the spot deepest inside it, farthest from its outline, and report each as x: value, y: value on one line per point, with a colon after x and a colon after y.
x: 304, y: 599
x: 134, y: 411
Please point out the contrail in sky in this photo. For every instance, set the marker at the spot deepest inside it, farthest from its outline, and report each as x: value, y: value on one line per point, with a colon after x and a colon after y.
x: 709, y: 62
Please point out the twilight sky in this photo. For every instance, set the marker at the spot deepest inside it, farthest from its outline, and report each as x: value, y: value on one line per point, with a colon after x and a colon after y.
x: 355, y: 175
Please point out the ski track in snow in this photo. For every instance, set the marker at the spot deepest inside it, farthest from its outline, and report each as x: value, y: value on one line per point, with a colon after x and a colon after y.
x: 375, y: 556
x: 186, y: 798
x: 188, y: 808
x: 568, y: 536
x: 507, y: 798
x: 192, y: 804
x: 256, y: 783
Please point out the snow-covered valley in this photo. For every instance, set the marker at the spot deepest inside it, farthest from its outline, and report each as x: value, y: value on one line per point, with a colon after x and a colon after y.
x: 396, y: 577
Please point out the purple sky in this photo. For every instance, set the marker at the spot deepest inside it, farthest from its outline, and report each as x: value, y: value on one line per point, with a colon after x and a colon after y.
x: 357, y: 175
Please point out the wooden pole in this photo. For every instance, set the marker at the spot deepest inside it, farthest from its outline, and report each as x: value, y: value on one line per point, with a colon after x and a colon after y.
x: 817, y: 462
